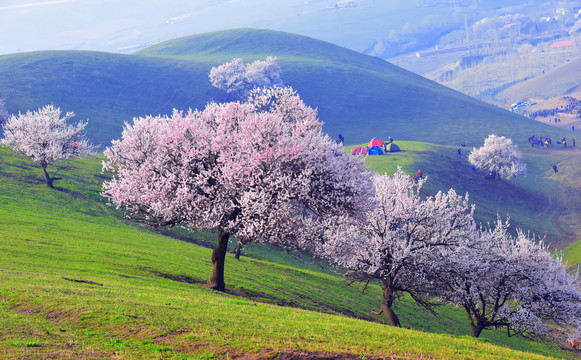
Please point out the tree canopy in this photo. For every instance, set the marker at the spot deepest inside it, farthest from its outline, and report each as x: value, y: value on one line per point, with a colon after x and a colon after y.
x: 403, y: 235
x: 510, y: 282
x: 239, y: 79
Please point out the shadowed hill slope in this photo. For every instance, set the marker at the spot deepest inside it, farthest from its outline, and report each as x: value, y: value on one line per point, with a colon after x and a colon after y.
x: 357, y: 95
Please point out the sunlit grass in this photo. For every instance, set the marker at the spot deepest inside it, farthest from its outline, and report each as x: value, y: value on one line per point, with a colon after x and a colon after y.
x: 139, y: 294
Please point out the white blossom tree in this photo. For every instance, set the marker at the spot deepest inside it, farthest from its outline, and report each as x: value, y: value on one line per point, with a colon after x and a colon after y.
x: 45, y: 137
x: 402, y: 236
x: 503, y: 281
x: 239, y: 79
x: 500, y: 157
x: 262, y: 171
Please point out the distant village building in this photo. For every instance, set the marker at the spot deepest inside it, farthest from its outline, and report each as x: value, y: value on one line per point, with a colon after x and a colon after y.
x: 563, y: 44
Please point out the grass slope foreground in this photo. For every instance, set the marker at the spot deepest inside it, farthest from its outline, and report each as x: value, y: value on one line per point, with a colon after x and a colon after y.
x: 77, y: 281
x: 357, y: 95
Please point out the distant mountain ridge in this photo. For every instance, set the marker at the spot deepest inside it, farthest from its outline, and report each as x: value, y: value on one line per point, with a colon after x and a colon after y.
x: 357, y: 95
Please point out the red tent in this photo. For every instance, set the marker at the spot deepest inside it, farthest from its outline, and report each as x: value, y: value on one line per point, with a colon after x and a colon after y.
x: 375, y: 142
x: 359, y: 151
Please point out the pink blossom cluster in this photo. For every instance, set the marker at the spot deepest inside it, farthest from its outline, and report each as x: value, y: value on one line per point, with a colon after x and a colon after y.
x: 261, y: 170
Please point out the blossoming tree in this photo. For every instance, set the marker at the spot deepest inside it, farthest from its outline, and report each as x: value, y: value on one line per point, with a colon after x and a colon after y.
x: 510, y: 282
x: 239, y: 79
x: 402, y: 236
x: 260, y: 170
x: 45, y: 137
x: 500, y: 157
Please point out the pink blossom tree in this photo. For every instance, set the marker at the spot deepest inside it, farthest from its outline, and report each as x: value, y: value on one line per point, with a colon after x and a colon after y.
x: 500, y: 157
x: 402, y: 236
x: 261, y: 170
x: 239, y: 79
x: 511, y: 282
x: 45, y: 137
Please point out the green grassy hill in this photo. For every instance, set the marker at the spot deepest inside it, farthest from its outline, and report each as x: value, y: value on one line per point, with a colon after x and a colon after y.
x: 545, y: 203
x: 356, y: 95
x: 78, y: 281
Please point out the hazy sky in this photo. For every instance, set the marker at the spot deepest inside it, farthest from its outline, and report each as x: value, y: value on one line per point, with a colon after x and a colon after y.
x: 110, y: 25
x: 114, y: 25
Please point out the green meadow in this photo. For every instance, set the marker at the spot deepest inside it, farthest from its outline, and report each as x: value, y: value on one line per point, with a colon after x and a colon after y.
x: 77, y: 280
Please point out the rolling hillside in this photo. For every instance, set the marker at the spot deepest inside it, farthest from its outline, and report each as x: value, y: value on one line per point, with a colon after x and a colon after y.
x: 564, y: 80
x: 357, y: 95
x: 77, y: 281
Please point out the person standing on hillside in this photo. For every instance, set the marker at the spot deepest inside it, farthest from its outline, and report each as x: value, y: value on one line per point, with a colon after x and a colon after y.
x: 555, y: 168
x: 419, y: 174
x: 459, y: 152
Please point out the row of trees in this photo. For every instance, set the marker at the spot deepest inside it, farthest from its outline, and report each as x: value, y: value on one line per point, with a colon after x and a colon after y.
x: 433, y: 250
x: 263, y: 171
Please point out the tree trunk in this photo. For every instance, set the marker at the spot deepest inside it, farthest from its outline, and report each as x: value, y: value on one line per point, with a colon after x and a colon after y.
x: 393, y: 319
x: 237, y: 250
x: 476, y: 330
x: 47, y: 177
x: 218, y: 260
x: 386, y: 306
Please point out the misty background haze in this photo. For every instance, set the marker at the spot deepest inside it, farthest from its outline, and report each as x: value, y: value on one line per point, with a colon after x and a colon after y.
x: 374, y: 26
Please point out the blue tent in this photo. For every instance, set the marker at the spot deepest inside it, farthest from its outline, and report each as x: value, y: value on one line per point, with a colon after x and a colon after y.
x: 376, y: 150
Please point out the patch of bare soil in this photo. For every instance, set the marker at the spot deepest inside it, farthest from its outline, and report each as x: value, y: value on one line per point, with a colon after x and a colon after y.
x: 304, y: 355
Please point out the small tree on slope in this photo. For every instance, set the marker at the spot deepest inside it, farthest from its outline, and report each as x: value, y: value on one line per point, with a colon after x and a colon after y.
x: 239, y: 79
x: 262, y: 171
x: 46, y: 138
x: 511, y: 282
x: 401, y: 238
x: 500, y: 157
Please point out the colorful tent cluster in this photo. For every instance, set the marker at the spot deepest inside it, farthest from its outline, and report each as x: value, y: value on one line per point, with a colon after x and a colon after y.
x: 374, y: 147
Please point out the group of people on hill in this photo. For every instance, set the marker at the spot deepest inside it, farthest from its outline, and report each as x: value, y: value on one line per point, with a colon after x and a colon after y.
x: 539, y: 141
x: 573, y: 106
x: 546, y: 141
